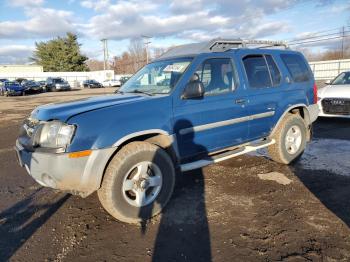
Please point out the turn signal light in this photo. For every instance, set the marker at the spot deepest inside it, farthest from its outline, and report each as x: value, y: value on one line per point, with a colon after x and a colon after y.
x: 80, y: 154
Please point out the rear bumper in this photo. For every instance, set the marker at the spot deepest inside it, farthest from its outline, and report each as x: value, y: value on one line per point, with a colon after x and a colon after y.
x: 80, y: 176
x: 313, y: 112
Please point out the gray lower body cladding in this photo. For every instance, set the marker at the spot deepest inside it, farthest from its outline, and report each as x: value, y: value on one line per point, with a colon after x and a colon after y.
x: 81, y: 175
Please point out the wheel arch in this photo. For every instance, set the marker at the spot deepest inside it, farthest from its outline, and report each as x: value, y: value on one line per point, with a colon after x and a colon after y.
x: 157, y: 137
x: 300, y: 109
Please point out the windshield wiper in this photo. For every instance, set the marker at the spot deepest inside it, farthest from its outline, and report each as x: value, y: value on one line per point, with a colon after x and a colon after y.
x: 137, y: 91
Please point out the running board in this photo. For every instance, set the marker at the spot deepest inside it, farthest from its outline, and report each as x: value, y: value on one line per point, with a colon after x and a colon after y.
x: 226, y: 155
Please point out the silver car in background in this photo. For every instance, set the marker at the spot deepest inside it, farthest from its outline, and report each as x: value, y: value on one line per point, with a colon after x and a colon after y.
x: 57, y: 84
x: 334, y: 99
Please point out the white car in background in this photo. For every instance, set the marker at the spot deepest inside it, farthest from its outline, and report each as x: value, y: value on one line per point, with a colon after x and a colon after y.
x: 111, y: 83
x: 334, y: 99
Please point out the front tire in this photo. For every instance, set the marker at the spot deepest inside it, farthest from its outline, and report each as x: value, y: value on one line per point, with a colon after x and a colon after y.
x: 138, y: 182
x: 290, y: 137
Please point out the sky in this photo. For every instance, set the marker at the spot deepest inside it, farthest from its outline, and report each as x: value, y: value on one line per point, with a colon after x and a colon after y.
x: 173, y: 22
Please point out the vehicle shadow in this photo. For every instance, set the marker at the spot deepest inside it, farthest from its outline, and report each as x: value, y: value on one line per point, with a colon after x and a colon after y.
x: 183, y: 231
x: 332, y: 189
x: 19, y: 222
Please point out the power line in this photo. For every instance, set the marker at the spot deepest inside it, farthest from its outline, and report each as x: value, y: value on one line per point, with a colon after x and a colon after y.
x: 318, y: 36
x: 319, y: 40
x: 319, y: 32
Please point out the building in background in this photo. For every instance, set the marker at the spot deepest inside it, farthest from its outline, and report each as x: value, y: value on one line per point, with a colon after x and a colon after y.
x: 13, y: 69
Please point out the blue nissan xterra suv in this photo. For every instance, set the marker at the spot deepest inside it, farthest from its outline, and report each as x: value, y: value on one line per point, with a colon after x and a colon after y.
x: 195, y: 105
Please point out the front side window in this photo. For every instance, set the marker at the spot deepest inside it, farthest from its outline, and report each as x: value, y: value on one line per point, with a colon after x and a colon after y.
x: 217, y: 76
x: 296, y: 67
x: 342, y: 79
x: 158, y: 77
x: 257, y: 72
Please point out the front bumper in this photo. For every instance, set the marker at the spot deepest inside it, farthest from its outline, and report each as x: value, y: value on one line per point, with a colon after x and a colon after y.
x: 13, y: 93
x: 323, y: 114
x: 80, y: 176
x: 62, y: 87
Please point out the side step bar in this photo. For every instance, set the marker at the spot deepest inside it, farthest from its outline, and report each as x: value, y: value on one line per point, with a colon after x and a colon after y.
x: 226, y: 155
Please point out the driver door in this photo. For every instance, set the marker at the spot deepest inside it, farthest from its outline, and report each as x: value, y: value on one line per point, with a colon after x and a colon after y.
x: 214, y: 121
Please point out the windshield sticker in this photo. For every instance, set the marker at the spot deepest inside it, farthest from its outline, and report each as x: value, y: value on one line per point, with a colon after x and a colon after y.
x: 175, y: 68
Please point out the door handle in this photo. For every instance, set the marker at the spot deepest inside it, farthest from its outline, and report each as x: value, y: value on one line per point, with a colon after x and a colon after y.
x: 240, y: 101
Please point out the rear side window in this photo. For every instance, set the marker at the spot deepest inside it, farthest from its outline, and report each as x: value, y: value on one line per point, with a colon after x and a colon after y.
x: 257, y: 71
x: 275, y: 73
x: 296, y: 67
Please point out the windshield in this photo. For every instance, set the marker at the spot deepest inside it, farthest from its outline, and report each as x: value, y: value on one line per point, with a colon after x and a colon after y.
x: 342, y: 79
x: 11, y: 83
x: 158, y: 77
x: 58, y: 80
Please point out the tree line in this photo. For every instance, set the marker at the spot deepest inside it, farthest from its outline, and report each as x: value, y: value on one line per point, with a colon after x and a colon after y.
x: 64, y: 54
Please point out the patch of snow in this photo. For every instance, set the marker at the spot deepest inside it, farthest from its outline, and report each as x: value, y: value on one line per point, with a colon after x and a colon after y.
x: 332, y: 155
x: 277, y: 177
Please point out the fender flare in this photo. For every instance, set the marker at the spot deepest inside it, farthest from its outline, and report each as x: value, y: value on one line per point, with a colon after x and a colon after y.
x: 139, y: 133
x: 305, y: 111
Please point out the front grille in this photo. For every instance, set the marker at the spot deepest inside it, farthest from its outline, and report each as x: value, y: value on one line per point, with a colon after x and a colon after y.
x: 336, y: 106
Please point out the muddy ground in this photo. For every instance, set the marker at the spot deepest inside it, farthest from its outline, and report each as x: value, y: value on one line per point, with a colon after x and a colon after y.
x: 245, y: 209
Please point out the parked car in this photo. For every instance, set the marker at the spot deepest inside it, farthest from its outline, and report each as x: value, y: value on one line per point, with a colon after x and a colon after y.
x: 123, y: 80
x: 223, y: 100
x: 3, y: 80
x: 31, y: 86
x: 334, y: 99
x: 21, y: 81
x: 92, y: 84
x: 42, y: 83
x: 111, y: 83
x: 57, y: 84
x: 11, y: 88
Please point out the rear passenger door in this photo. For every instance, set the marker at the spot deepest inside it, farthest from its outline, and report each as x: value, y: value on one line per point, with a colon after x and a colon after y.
x: 264, y: 80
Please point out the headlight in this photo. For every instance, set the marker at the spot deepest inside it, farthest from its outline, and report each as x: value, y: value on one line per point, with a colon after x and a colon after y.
x: 56, y: 134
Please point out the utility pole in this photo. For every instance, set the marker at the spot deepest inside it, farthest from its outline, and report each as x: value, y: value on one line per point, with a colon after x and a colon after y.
x: 342, y: 42
x: 146, y: 43
x: 105, y: 53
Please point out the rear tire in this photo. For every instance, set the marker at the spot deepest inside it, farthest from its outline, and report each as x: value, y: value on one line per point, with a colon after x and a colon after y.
x: 138, y: 182
x: 290, y: 137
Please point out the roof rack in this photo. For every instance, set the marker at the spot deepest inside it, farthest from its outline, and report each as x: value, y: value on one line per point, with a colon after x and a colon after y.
x: 221, y: 45
x: 224, y: 44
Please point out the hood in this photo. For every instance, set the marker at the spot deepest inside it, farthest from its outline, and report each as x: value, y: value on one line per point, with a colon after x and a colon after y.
x: 64, y: 111
x: 342, y: 91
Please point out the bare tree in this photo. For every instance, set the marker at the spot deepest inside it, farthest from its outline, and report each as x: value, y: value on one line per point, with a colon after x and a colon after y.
x: 157, y: 52
x: 94, y: 65
x: 138, y: 54
x: 132, y: 60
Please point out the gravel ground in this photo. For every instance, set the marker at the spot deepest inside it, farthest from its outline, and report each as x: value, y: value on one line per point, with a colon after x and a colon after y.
x: 245, y: 209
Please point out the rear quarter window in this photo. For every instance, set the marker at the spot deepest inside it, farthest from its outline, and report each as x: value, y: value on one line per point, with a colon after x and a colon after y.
x: 297, y: 67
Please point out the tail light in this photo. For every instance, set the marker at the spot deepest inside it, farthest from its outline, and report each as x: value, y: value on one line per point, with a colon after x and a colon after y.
x: 315, y: 93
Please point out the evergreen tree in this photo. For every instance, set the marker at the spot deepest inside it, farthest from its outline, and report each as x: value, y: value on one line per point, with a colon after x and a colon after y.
x: 60, y: 54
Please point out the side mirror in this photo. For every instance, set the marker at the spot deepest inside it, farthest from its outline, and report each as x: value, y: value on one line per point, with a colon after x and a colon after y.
x: 194, y: 88
x: 328, y: 82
